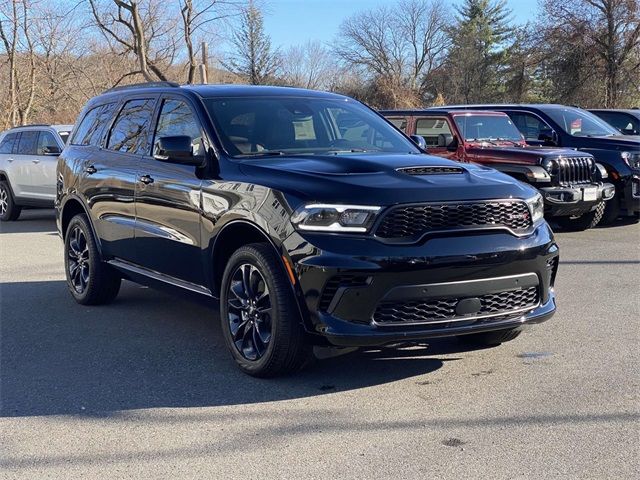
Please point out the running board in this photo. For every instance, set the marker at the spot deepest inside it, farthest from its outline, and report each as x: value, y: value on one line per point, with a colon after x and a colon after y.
x: 160, y: 277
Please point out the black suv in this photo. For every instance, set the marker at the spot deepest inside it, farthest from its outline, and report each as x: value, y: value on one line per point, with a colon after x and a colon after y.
x: 562, y: 126
x: 310, y: 218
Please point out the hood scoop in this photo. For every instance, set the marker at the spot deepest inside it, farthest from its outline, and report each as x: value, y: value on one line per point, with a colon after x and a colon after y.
x: 430, y: 170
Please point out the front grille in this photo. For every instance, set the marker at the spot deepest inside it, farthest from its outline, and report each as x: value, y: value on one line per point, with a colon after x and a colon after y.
x: 572, y: 171
x: 339, y: 281
x: 430, y: 170
x: 444, y: 309
x: 417, y: 220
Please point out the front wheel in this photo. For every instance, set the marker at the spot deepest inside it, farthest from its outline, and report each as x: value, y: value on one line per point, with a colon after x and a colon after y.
x: 584, y: 221
x: 486, y: 339
x: 90, y: 280
x: 260, y: 320
x: 9, y: 211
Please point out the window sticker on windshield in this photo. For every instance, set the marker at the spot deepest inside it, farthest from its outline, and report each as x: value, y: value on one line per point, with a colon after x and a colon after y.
x: 576, y: 126
x: 304, y: 129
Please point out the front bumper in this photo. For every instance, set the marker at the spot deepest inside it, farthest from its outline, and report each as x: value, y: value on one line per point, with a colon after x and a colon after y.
x: 566, y: 201
x: 464, y: 266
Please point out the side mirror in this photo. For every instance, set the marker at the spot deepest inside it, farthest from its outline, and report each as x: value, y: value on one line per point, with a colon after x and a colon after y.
x: 51, y: 150
x: 176, y: 149
x: 419, y: 141
x: 549, y: 137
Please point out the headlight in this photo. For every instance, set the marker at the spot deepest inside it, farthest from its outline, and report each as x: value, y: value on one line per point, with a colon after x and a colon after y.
x: 632, y: 159
x: 536, y: 208
x: 335, y: 218
x: 550, y: 165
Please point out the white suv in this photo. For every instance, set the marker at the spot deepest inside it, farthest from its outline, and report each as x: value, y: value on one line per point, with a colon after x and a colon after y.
x: 28, y: 158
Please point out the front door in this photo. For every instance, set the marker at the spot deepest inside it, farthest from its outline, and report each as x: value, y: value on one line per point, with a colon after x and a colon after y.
x: 437, y: 133
x: 167, y: 231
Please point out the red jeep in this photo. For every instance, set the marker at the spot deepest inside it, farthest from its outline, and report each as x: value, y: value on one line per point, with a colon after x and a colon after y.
x: 571, y: 182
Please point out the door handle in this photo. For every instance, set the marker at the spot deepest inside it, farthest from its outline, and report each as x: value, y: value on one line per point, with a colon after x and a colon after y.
x: 90, y: 169
x: 36, y: 161
x: 146, y: 179
x: 9, y: 160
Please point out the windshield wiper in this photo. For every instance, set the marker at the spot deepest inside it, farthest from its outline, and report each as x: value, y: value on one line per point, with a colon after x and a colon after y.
x: 513, y: 142
x: 488, y: 140
x: 350, y: 150
x: 271, y: 153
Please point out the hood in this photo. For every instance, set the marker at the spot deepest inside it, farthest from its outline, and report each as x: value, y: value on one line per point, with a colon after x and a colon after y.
x: 612, y: 142
x: 526, y: 151
x: 374, y: 179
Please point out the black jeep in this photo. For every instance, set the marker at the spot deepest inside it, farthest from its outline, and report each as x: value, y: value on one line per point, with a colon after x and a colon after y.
x: 307, y: 216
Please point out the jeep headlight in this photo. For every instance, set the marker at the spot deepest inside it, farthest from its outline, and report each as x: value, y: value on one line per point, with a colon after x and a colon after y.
x: 536, y: 208
x: 550, y: 165
x: 632, y: 159
x: 335, y: 218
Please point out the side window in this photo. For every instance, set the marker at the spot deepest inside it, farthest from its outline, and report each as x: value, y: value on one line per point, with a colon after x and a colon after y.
x: 92, y: 126
x: 6, y: 146
x: 399, y: 122
x: 28, y: 143
x: 176, y: 118
x: 621, y: 121
x: 529, y: 125
x: 431, y: 128
x: 129, y: 131
x: 47, y: 143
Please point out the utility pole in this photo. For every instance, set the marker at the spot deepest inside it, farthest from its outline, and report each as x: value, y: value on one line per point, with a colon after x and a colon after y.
x: 203, y: 65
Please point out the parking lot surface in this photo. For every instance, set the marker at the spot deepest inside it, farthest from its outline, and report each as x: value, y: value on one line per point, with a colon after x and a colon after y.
x: 145, y: 388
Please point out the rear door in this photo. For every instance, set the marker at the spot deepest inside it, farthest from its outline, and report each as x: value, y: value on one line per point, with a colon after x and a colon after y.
x: 43, y: 169
x: 10, y: 164
x: 168, y: 214
x: 27, y: 165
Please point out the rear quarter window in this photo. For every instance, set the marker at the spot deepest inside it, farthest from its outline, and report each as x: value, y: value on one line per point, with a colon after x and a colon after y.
x: 6, y: 145
x: 91, y: 128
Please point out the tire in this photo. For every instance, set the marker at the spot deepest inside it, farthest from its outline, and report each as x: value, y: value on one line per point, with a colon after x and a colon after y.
x: 584, y: 221
x: 260, y: 319
x: 9, y: 211
x: 611, y: 211
x: 485, y: 339
x: 89, y: 279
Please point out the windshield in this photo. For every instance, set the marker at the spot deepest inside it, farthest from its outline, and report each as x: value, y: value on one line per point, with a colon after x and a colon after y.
x: 487, y: 127
x: 262, y: 126
x: 580, y: 123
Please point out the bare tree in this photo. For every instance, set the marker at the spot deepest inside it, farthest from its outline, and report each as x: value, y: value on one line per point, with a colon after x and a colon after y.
x: 253, y: 58
x: 309, y: 66
x: 16, y: 36
x: 610, y: 29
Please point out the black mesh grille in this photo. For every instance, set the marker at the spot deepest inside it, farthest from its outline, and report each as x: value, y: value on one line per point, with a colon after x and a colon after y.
x: 436, y: 310
x: 573, y: 171
x: 414, y: 221
x: 332, y: 286
x: 430, y: 170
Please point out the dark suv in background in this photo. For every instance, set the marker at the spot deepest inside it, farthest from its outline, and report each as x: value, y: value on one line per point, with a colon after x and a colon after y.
x: 571, y: 182
x: 562, y: 126
x: 309, y: 218
x: 626, y: 121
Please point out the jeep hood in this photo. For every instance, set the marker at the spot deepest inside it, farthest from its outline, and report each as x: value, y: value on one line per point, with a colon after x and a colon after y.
x: 528, y: 151
x: 374, y: 179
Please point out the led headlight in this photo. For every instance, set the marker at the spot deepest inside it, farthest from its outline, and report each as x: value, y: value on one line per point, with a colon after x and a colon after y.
x: 335, y: 218
x: 550, y: 165
x: 632, y: 159
x: 536, y: 208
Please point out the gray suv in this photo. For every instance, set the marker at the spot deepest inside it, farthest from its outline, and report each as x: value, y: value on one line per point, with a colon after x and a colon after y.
x: 28, y: 158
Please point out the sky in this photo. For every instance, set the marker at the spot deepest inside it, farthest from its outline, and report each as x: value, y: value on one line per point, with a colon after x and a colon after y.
x: 293, y: 22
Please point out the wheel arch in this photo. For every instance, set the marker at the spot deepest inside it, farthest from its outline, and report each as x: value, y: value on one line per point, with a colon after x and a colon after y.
x: 73, y: 206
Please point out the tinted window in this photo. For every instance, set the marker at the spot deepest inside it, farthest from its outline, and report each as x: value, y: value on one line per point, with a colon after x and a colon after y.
x: 129, y: 131
x: 254, y: 126
x: 623, y: 122
x: 176, y: 118
x: 28, y: 143
x: 487, y: 127
x: 90, y: 130
x: 6, y: 146
x: 64, y: 136
x: 529, y: 125
x: 47, y: 143
x: 430, y: 128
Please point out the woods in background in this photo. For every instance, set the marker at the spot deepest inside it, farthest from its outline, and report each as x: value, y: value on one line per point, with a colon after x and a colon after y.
x: 54, y: 55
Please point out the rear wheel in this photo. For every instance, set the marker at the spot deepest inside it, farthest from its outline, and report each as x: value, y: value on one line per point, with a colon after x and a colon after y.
x: 490, y: 338
x: 584, y: 221
x: 90, y: 280
x: 9, y: 211
x: 260, y: 320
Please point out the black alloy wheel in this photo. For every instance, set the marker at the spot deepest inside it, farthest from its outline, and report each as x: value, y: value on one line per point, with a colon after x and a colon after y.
x: 249, y: 312
x: 78, y: 260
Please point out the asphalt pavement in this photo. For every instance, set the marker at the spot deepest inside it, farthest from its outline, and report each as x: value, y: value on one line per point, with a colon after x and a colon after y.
x: 144, y: 388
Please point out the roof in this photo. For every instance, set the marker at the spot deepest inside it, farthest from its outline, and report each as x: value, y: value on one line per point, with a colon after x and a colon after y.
x: 440, y: 111
x: 632, y: 111
x: 58, y: 127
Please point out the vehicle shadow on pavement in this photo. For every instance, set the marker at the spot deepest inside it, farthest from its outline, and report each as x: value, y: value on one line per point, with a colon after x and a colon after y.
x: 32, y: 221
x: 149, y: 349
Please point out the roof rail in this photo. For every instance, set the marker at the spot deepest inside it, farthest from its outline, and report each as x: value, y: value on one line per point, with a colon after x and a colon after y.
x: 143, y: 85
x: 32, y: 125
